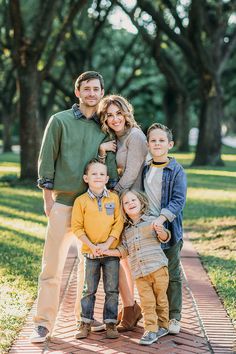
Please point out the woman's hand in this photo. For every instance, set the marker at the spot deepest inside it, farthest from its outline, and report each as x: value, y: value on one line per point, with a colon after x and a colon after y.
x: 108, y: 146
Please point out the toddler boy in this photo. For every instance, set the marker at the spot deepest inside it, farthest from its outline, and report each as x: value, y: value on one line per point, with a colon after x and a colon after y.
x: 97, y: 222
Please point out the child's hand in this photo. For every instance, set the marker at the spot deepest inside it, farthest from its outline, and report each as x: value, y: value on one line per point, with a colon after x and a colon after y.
x: 103, y: 247
x: 96, y: 250
x: 161, y: 232
x: 108, y: 252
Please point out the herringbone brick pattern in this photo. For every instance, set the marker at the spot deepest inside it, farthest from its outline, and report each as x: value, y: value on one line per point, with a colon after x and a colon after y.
x: 205, y: 325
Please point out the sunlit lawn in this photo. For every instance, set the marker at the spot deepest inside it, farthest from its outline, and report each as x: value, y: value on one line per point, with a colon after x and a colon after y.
x: 22, y: 227
x: 209, y: 219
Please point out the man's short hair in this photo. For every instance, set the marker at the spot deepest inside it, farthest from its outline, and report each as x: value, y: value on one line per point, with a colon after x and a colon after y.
x: 87, y: 76
x: 161, y: 127
x: 92, y: 162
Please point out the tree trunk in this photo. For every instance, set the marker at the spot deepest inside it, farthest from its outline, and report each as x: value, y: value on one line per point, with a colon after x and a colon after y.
x: 175, y: 107
x: 7, y: 121
x: 182, y: 117
x: 208, y: 150
x: 29, y: 86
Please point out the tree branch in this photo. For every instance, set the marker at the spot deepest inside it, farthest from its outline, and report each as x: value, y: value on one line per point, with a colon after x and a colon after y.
x: 98, y: 26
x: 43, y: 23
x: 158, y: 18
x: 17, y: 24
x: 119, y: 63
x: 74, y: 9
x: 228, y: 50
x: 131, y: 76
x: 175, y: 15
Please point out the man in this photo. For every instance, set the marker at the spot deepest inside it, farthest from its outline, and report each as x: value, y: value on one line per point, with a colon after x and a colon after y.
x: 71, y: 139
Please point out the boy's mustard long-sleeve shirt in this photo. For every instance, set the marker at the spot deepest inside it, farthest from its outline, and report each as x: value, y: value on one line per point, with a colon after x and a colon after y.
x: 98, y: 223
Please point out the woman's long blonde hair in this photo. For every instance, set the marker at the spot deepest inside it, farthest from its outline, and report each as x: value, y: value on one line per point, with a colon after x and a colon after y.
x: 143, y: 201
x: 125, y: 107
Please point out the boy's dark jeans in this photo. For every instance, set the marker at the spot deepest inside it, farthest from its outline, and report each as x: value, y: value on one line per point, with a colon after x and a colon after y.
x: 174, y: 291
x: 110, y: 270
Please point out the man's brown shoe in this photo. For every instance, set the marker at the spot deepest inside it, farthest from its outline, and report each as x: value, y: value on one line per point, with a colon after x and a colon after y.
x: 112, y: 332
x: 83, y: 330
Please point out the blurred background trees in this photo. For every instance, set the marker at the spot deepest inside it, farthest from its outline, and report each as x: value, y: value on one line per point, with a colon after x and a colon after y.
x: 173, y: 59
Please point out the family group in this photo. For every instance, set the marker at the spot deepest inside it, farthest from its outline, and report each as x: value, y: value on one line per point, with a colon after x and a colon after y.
x: 121, y: 194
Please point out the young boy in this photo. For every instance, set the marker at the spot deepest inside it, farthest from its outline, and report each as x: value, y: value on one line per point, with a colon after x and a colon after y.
x: 97, y: 222
x: 165, y: 185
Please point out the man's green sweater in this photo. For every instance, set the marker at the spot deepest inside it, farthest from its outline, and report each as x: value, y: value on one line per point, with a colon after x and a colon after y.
x: 68, y: 145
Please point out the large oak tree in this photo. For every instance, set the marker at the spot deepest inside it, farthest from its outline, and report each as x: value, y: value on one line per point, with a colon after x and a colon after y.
x: 32, y: 24
x: 203, y: 32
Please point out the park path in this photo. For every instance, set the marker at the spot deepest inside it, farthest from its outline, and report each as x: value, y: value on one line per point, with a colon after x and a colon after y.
x: 206, y: 327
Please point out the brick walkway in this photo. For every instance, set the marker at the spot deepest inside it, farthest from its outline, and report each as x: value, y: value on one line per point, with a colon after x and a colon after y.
x: 205, y: 325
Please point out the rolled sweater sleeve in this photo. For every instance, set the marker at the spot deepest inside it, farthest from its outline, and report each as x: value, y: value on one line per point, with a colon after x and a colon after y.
x: 178, y: 196
x: 136, y: 154
x: 49, y: 153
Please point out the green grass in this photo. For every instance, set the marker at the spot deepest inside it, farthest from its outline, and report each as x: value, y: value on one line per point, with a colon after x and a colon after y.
x: 21, y: 244
x: 209, y: 218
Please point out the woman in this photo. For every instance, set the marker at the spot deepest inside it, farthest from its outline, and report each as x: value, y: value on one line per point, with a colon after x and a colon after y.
x: 116, y: 118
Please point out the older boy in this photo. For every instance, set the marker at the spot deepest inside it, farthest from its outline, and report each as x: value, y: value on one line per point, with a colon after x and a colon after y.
x: 97, y: 222
x: 165, y: 185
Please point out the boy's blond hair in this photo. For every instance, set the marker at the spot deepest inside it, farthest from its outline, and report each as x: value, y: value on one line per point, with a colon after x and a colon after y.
x: 141, y: 197
x: 92, y: 162
x: 161, y: 127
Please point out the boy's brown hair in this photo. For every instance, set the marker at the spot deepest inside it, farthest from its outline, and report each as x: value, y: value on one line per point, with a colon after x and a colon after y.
x: 161, y: 127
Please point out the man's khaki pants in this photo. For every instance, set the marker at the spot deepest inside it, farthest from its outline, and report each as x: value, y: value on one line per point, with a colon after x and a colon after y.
x: 58, y: 240
x: 152, y: 290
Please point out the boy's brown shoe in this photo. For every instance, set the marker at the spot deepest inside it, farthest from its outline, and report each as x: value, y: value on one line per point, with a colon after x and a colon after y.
x: 112, y: 332
x: 83, y: 330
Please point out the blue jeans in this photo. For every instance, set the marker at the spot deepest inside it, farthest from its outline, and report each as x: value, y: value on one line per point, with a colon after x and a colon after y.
x: 110, y: 271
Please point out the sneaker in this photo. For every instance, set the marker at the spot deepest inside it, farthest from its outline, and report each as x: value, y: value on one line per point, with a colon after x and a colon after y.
x: 97, y: 326
x: 162, y: 332
x: 174, y: 326
x: 148, y: 338
x: 112, y: 332
x: 83, y: 330
x: 39, y: 334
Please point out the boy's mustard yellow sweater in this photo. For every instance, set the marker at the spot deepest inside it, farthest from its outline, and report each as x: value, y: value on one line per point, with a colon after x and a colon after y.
x: 97, y: 223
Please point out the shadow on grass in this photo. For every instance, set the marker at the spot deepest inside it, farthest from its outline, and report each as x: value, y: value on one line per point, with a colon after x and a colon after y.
x: 211, y: 181
x: 20, y: 236
x: 24, y: 204
x: 20, y: 254
x: 15, y: 215
x: 195, y: 209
